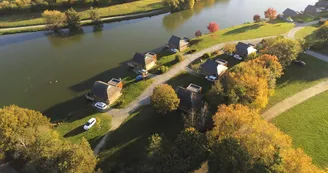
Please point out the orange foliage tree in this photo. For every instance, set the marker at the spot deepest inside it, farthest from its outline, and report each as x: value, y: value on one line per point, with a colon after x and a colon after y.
x: 270, y: 13
x: 261, y: 139
x: 213, y: 27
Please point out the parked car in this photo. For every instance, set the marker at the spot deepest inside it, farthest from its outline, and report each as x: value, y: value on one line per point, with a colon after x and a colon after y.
x: 143, y: 71
x: 211, y: 78
x: 237, y: 57
x: 139, y: 78
x: 89, y: 97
x: 101, y: 106
x: 89, y: 124
x: 191, y: 51
x: 299, y: 62
x: 174, y: 50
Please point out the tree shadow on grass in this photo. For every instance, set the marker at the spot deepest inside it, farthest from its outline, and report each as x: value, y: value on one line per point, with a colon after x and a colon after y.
x: 243, y: 29
x: 74, y: 132
x: 126, y: 146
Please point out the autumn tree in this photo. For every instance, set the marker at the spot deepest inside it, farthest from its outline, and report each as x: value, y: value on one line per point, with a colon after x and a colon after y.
x: 256, y: 18
x: 322, y: 32
x: 55, y: 19
x: 229, y: 48
x: 95, y: 17
x: 177, y: 5
x: 285, y: 49
x: 216, y: 94
x: 213, y: 27
x: 164, y: 99
x: 270, y: 13
x: 73, y: 20
x: 198, y: 33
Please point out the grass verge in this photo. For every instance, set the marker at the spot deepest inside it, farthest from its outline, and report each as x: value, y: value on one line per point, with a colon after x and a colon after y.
x: 28, y: 19
x: 307, y: 124
x: 126, y: 146
x: 74, y: 131
x: 306, y: 31
x: 297, y: 78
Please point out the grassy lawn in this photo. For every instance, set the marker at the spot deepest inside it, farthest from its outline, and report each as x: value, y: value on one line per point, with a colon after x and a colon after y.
x: 307, y: 30
x: 307, y: 124
x: 304, y: 18
x: 131, y: 90
x: 242, y: 32
x: 296, y: 78
x: 126, y: 146
x: 74, y: 130
x: 14, y: 20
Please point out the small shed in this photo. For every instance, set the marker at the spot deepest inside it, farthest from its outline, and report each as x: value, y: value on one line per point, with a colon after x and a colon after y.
x: 190, y: 98
x: 143, y: 61
x: 180, y: 43
x: 243, y: 49
x: 289, y: 13
x: 310, y: 9
x: 106, y: 92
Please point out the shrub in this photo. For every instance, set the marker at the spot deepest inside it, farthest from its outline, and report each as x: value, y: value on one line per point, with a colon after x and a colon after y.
x: 198, y: 33
x: 229, y: 48
x: 179, y: 57
x: 163, y: 69
x: 213, y: 27
x: 251, y: 56
x: 256, y: 18
x: 206, y: 55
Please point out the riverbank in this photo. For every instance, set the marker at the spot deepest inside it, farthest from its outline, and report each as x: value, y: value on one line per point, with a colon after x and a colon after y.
x: 18, y: 23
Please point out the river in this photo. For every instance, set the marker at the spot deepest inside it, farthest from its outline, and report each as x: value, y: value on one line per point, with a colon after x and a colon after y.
x: 50, y: 74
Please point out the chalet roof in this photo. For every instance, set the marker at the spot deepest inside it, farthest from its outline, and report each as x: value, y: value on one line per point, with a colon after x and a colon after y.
x: 103, y: 90
x: 310, y: 8
x: 178, y: 41
x: 189, y: 100
x: 289, y: 13
x: 210, y: 66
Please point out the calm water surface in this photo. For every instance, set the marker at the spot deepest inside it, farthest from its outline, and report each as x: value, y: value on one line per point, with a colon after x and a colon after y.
x: 51, y: 74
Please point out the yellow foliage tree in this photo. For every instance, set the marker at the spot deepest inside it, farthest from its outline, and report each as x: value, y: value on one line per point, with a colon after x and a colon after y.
x: 54, y: 19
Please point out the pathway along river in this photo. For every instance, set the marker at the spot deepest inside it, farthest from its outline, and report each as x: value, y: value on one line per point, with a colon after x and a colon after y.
x: 51, y: 74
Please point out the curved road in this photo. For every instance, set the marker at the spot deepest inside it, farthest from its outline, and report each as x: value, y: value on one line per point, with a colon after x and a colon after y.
x: 119, y: 115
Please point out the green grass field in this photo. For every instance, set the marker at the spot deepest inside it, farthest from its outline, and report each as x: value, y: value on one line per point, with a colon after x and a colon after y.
x: 131, y: 90
x: 127, y: 145
x: 242, y: 32
x: 297, y: 78
x: 304, y: 18
x: 27, y: 19
x: 307, y: 124
x: 307, y: 30
x: 74, y: 130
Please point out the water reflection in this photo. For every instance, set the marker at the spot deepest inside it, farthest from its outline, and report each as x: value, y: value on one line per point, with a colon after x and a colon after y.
x: 65, y: 39
x: 173, y: 21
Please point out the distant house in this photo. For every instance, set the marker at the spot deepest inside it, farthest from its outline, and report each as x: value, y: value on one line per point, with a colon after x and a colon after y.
x: 143, y: 61
x: 243, y: 49
x: 191, y: 98
x: 289, y: 13
x: 180, y: 43
x: 214, y: 68
x: 107, y: 92
x: 322, y: 3
x: 310, y: 9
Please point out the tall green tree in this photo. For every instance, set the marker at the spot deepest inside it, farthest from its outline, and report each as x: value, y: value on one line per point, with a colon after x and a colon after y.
x: 73, y: 20
x: 164, y: 99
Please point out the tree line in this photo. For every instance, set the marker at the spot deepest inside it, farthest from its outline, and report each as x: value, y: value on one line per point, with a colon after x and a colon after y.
x: 57, y: 20
x: 30, y: 140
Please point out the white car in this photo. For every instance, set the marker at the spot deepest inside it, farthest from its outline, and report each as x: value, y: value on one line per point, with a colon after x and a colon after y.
x: 238, y: 57
x: 89, y: 124
x: 143, y: 71
x: 211, y: 78
x: 101, y: 105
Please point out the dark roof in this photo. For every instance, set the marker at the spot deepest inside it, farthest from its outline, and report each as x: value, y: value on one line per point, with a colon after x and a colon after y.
x: 189, y: 100
x: 289, y: 13
x: 99, y: 89
x: 104, y: 91
x: 174, y: 40
x: 241, y: 48
x: 210, y: 67
x: 139, y: 58
x: 311, y: 9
